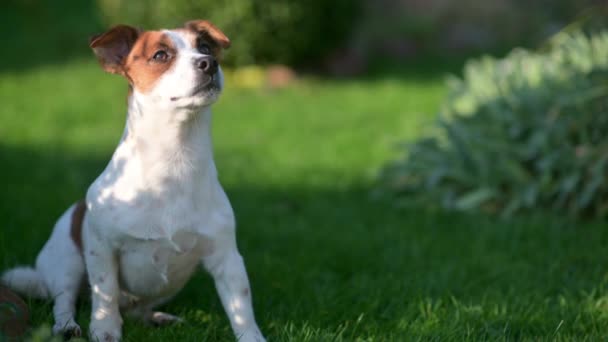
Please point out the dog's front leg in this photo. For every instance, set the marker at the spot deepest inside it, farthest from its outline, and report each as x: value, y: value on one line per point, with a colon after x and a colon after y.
x: 102, y: 268
x: 226, y: 267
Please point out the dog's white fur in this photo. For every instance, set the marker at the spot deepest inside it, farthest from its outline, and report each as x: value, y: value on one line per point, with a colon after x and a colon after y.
x: 154, y: 214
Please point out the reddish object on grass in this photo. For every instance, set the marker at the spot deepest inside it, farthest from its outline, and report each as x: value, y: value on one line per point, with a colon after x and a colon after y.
x: 14, y: 314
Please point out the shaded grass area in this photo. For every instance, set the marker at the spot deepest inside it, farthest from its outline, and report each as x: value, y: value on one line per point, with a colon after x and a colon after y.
x: 326, y: 261
x: 44, y: 32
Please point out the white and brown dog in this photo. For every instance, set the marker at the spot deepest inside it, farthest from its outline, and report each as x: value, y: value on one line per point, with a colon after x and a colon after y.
x: 158, y: 209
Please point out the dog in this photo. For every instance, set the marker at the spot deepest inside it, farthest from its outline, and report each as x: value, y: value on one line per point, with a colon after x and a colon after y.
x: 158, y: 209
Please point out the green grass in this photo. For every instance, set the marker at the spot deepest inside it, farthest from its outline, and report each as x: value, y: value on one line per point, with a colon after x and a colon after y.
x: 327, y: 261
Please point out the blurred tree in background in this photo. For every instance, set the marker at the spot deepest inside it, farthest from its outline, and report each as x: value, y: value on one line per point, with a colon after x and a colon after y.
x: 345, y: 35
x: 341, y: 36
x: 262, y: 31
x: 41, y: 32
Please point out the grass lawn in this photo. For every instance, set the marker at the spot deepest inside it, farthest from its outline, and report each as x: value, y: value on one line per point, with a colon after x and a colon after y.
x: 326, y: 261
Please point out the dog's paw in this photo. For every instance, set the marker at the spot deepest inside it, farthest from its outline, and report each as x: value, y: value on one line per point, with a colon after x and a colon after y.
x: 107, y: 329
x: 160, y: 319
x: 67, y: 330
x: 104, y: 336
x: 251, y: 336
x: 100, y: 334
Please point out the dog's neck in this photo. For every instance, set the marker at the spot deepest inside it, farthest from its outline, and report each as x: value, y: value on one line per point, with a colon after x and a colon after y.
x: 170, y: 144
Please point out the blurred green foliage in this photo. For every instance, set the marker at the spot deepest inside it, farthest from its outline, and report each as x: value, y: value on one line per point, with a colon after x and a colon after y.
x: 527, y: 131
x: 262, y: 31
x: 298, y: 33
x: 40, y: 32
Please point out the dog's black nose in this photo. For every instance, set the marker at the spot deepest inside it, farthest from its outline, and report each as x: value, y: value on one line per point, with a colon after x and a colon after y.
x: 207, y: 64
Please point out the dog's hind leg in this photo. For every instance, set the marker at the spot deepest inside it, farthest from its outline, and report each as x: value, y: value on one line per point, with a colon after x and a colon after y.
x: 61, y: 265
x: 64, y: 311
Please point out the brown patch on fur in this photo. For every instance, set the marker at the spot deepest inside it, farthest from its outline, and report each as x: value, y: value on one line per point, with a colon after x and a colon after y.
x: 195, y: 39
x: 113, y: 46
x: 205, y: 27
x: 76, y: 225
x: 204, y: 30
x: 140, y: 68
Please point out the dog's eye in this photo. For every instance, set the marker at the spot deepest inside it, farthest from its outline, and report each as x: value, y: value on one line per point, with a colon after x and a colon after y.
x: 160, y: 56
x: 203, y: 48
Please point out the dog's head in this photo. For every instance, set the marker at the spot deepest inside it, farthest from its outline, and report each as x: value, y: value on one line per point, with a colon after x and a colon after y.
x: 169, y: 68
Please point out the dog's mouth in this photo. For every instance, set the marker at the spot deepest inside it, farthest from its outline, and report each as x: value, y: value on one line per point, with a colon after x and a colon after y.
x: 209, y: 84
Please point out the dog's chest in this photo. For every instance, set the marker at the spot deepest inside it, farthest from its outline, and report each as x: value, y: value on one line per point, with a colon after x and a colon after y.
x: 156, y: 268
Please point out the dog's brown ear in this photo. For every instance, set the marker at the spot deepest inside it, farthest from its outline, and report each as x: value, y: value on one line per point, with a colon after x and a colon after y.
x: 113, y: 46
x: 205, y: 27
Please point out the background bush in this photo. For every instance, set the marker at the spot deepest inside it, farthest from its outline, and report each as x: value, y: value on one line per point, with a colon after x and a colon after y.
x: 526, y: 131
x: 461, y: 25
x: 322, y: 35
x: 291, y: 32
